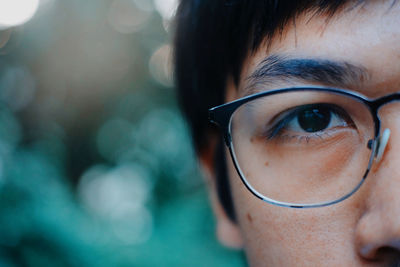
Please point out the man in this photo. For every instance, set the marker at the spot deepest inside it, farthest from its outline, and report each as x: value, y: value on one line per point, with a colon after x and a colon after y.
x: 306, y: 174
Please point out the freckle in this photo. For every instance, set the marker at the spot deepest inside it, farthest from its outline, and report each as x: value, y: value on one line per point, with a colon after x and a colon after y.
x: 266, y: 163
x: 249, y: 218
x: 251, y: 140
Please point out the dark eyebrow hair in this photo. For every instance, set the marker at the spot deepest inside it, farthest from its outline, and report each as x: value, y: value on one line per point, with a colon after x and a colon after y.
x: 310, y: 70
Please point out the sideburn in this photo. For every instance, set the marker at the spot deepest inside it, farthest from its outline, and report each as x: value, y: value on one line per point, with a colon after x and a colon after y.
x: 222, y: 183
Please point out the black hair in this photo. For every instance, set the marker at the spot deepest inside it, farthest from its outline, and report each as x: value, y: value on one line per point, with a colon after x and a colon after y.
x: 212, y: 40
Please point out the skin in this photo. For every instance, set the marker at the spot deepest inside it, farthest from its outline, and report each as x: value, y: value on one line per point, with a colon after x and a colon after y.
x: 363, y: 230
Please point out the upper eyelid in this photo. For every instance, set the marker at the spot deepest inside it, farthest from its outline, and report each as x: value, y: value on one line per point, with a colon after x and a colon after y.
x: 289, y: 114
x: 293, y: 110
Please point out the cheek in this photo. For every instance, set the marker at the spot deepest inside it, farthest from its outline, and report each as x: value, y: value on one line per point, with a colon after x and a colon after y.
x: 283, y: 236
x: 307, y: 173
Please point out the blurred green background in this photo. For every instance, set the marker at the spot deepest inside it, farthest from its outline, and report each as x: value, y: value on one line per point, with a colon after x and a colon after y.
x: 96, y: 166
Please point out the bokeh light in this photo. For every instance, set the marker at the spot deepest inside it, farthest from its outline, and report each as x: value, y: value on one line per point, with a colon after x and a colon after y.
x: 113, y: 192
x: 16, y: 12
x: 160, y: 65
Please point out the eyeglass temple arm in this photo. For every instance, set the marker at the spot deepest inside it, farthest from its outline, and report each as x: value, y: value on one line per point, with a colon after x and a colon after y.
x: 221, y: 118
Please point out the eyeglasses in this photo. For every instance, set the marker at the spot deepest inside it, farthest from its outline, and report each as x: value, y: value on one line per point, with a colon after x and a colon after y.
x: 302, y: 147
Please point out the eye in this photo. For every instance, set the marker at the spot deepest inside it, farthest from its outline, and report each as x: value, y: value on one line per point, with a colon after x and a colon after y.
x: 308, y: 119
x: 313, y: 119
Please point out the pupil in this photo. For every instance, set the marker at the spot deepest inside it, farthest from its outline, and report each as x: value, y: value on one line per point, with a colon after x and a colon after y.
x: 314, y: 119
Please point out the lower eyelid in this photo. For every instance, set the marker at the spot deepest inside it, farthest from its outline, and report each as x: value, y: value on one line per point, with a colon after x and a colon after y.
x: 306, y: 138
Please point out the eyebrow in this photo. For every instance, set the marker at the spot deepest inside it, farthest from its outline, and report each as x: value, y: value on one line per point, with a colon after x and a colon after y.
x: 278, y: 68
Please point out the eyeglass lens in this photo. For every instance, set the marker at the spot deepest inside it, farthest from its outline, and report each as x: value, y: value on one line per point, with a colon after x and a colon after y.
x: 302, y: 147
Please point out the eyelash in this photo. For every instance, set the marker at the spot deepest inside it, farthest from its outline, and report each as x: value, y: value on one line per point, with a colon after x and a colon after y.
x: 285, y: 117
x: 300, y: 138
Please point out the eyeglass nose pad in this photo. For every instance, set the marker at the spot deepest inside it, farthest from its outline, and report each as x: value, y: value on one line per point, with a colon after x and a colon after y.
x: 381, y: 144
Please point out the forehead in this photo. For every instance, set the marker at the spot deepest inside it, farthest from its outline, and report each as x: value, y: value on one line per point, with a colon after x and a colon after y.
x: 366, y: 36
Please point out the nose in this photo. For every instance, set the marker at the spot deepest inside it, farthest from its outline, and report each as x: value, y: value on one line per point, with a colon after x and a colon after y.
x: 378, y: 230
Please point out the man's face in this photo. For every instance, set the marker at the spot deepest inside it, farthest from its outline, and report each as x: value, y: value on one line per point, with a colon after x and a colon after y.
x: 364, y: 229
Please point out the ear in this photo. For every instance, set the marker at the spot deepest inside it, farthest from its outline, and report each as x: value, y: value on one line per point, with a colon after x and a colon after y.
x: 227, y: 231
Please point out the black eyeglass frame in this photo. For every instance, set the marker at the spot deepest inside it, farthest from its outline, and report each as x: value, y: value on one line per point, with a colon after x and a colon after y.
x: 221, y: 115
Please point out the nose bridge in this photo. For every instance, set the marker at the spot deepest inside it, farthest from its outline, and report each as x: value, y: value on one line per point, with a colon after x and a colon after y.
x: 388, y: 110
x: 389, y: 117
x: 380, y: 107
x: 387, y: 171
